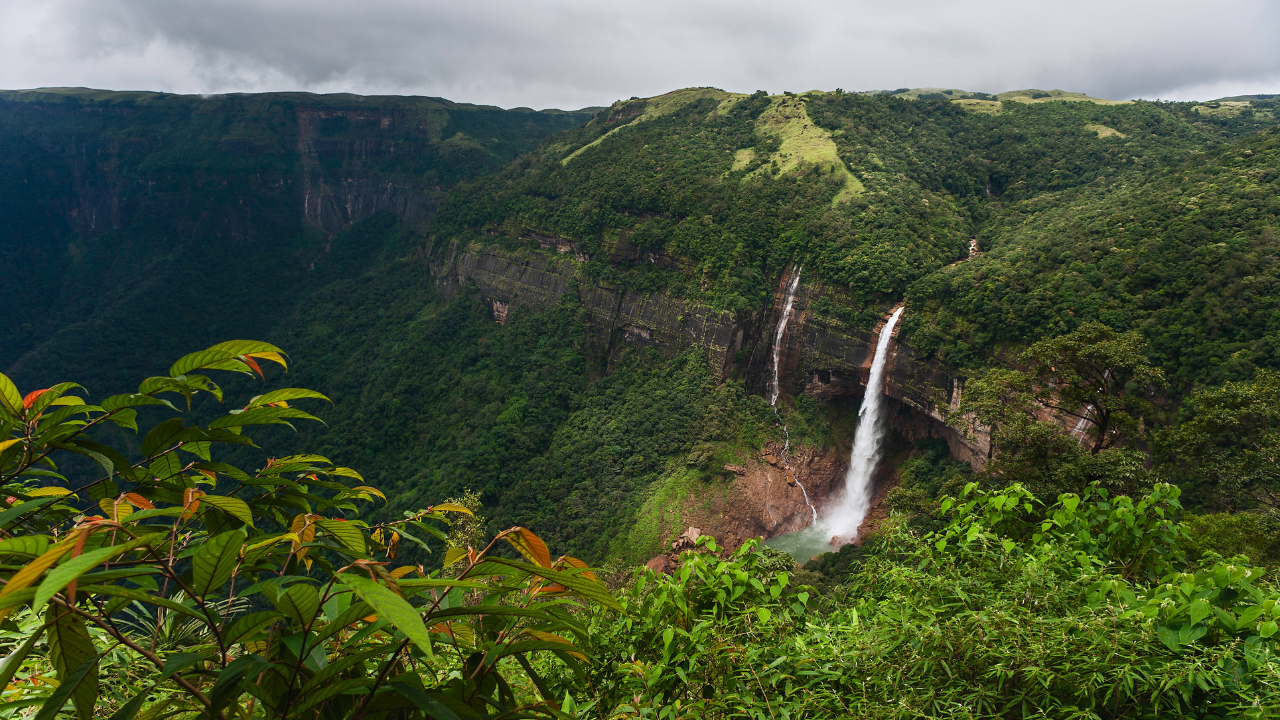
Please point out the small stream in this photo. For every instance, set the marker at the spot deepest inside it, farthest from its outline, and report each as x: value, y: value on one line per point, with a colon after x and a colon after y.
x: 773, y: 386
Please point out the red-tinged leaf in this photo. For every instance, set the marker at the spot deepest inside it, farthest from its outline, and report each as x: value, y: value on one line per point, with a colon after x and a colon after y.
x: 574, y: 562
x: 31, y: 398
x: 248, y: 360
x: 552, y: 637
x: 274, y: 357
x: 139, y: 501
x: 190, y: 502
x: 529, y: 545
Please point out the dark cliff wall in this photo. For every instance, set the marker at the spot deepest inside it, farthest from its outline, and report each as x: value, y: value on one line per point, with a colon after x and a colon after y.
x: 126, y: 212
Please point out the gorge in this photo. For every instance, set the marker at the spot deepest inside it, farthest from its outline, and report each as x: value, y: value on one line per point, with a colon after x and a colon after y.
x: 549, y: 262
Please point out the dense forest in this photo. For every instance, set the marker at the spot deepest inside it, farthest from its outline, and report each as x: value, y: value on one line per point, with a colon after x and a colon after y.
x: 450, y: 522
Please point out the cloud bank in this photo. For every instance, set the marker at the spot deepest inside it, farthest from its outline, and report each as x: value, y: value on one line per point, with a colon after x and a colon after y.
x: 575, y: 53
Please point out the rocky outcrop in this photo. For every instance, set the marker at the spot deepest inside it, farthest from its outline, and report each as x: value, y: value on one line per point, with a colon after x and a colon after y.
x: 760, y: 503
x: 618, y: 317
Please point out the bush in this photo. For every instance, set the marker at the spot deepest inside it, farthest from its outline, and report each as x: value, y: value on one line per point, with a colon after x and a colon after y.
x: 220, y: 592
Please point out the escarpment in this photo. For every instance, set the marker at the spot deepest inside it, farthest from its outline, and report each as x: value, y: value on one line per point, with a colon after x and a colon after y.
x: 821, y: 355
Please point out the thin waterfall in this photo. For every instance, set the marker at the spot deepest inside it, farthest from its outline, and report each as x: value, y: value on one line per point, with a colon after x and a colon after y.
x: 773, y: 386
x: 782, y: 328
x: 843, y: 520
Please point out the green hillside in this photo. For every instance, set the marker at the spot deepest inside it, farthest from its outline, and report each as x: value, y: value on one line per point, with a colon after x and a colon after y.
x: 1147, y: 216
x: 536, y: 341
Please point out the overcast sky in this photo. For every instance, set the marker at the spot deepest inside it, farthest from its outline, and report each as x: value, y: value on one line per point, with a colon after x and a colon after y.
x: 576, y: 53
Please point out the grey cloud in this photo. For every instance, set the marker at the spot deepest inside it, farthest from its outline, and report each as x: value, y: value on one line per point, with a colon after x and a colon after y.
x: 571, y: 53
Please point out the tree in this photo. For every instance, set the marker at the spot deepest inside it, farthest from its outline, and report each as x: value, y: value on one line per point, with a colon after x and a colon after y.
x: 1230, y: 438
x: 1098, y: 380
x: 1098, y: 376
x: 283, y: 608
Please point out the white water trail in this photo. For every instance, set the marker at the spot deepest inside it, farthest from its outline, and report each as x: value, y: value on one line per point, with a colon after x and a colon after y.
x: 782, y: 328
x: 773, y: 385
x: 844, y: 519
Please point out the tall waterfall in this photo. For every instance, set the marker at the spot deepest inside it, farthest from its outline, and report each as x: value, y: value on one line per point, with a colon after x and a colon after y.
x: 843, y: 520
x: 840, y: 522
x: 773, y: 386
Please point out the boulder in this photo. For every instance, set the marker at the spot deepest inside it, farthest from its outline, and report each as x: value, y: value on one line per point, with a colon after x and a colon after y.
x: 688, y: 540
x: 662, y: 564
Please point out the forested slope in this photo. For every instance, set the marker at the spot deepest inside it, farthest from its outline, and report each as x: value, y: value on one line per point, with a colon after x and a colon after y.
x: 125, y: 209
x: 321, y: 223
x: 1186, y: 254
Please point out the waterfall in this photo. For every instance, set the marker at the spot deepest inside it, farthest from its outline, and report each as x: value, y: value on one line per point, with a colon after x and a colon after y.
x: 773, y: 386
x: 782, y: 328
x: 843, y: 520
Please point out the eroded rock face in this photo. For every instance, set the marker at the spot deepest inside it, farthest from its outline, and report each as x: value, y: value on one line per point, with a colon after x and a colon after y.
x: 618, y: 317
x: 760, y: 503
x: 822, y: 355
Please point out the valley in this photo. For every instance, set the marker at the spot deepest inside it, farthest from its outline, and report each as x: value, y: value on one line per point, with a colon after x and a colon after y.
x: 922, y: 369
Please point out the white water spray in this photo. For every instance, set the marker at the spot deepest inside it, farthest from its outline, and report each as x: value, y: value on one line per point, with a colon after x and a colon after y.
x: 773, y: 386
x: 843, y: 520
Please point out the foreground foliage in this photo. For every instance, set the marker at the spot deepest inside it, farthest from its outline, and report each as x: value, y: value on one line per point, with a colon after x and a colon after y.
x: 219, y: 592
x: 1080, y: 609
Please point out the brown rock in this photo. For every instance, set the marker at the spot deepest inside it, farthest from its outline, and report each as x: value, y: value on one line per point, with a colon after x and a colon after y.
x: 662, y: 564
x: 735, y: 469
x: 687, y: 541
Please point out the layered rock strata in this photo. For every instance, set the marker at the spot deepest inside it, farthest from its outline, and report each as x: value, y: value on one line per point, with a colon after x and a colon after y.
x: 822, y: 355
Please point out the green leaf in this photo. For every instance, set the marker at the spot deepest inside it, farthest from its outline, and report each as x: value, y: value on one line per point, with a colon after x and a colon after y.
x: 300, y: 602
x: 178, y: 662
x: 233, y: 506
x: 227, y: 686
x: 32, y: 545
x: 248, y: 624
x: 1199, y: 610
x: 392, y: 608
x: 346, y: 533
x: 12, y: 514
x: 223, y: 357
x: 64, y: 574
x: 262, y: 416
x: 429, y: 705
x: 14, y: 660
x: 10, y: 398
x: 215, y: 561
x: 116, y: 403
x: 284, y: 395
x: 75, y: 660
x: 73, y: 685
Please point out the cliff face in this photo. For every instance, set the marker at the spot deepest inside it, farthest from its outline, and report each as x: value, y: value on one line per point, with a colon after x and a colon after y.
x: 820, y: 355
x: 130, y: 209
x: 619, y: 317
